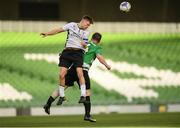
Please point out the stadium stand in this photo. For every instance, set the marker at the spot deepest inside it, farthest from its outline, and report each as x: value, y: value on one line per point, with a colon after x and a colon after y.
x: 32, y: 69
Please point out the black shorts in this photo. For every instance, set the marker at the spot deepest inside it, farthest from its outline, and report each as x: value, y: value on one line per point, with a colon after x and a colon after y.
x: 72, y: 77
x: 69, y: 57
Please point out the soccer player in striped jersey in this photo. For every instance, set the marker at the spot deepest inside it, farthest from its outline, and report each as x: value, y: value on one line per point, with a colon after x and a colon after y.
x: 94, y: 51
x: 73, y: 52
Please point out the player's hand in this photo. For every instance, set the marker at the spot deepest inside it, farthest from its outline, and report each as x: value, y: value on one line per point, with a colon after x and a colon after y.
x: 43, y: 34
x: 84, y: 44
x: 108, y: 67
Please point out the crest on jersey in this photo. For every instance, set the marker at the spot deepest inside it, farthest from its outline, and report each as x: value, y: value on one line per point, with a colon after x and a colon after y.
x: 74, y: 27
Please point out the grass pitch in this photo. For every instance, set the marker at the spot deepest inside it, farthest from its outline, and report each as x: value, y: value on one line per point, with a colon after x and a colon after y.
x: 103, y: 120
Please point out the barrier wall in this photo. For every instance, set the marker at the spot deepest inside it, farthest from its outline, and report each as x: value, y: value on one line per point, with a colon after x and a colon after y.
x: 76, y: 110
x: 107, y: 27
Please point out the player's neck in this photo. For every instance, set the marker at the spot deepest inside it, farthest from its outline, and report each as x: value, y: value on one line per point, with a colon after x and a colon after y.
x: 94, y: 42
x: 80, y: 26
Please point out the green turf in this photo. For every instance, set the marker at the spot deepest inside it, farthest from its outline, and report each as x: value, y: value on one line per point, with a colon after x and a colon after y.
x: 128, y: 75
x: 158, y: 50
x: 34, y: 39
x: 103, y: 120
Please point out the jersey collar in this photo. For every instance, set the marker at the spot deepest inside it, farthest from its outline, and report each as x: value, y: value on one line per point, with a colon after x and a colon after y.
x: 93, y: 43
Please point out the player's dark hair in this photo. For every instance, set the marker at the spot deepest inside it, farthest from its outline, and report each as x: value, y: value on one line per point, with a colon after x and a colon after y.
x: 97, y: 36
x: 90, y: 19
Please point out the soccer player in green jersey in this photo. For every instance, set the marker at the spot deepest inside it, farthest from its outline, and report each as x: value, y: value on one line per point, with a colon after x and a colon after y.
x: 94, y: 51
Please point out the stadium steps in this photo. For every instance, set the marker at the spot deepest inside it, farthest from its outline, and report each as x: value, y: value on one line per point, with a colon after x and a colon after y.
x: 37, y: 79
x: 41, y: 89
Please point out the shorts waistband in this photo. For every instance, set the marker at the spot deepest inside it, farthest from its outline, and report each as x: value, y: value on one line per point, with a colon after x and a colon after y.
x: 71, y: 48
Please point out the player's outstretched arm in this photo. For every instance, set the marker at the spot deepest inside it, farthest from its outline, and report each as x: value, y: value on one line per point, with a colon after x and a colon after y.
x: 103, y: 61
x: 52, y: 32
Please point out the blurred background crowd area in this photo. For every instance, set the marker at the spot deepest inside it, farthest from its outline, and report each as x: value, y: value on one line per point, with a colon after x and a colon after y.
x: 100, y: 10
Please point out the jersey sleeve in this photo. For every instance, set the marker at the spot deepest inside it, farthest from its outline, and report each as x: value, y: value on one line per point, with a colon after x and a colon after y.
x: 67, y: 26
x: 99, y: 51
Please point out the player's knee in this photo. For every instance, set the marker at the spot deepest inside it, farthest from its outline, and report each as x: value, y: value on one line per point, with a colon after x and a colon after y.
x: 80, y: 74
x: 62, y: 75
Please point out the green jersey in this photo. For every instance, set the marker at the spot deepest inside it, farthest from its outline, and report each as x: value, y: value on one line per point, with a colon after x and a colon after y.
x: 90, y: 55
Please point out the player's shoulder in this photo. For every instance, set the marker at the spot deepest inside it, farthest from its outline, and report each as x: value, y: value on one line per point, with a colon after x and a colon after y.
x: 72, y: 24
x: 98, y: 47
x: 95, y: 45
x: 88, y: 32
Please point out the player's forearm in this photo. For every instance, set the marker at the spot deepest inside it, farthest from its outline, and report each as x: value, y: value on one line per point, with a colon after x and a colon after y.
x: 52, y: 32
x: 103, y: 61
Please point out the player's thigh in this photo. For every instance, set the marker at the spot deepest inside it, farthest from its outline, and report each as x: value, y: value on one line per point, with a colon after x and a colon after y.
x: 65, y: 59
x: 78, y: 58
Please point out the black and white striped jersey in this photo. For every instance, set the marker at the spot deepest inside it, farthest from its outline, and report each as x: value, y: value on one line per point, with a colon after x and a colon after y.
x: 75, y: 35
